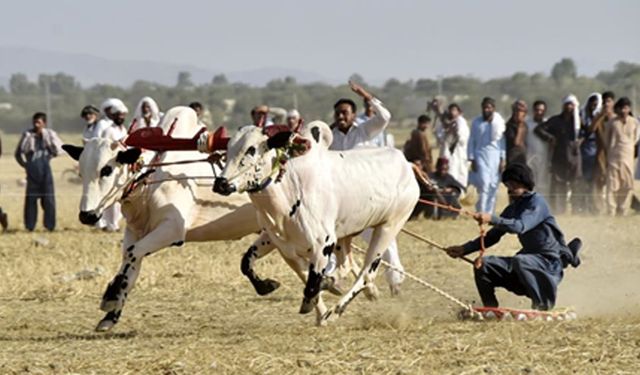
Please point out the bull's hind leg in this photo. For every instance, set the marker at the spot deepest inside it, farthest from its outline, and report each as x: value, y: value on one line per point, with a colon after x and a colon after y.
x: 261, y: 247
x: 380, y: 240
x: 170, y: 231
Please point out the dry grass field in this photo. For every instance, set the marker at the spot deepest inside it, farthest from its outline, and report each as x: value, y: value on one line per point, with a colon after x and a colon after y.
x: 193, y: 312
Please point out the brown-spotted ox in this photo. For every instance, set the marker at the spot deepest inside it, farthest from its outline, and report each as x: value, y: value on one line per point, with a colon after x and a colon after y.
x: 159, y: 215
x: 320, y: 197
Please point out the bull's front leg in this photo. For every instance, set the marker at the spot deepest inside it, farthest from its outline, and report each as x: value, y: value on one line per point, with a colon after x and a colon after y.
x: 170, y: 231
x: 318, y: 262
x: 260, y: 247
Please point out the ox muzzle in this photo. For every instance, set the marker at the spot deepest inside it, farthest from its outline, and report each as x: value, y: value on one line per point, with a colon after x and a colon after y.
x: 89, y: 217
x: 222, y: 186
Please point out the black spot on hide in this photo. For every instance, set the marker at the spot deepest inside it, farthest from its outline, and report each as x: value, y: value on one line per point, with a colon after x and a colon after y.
x: 294, y: 208
x: 374, y: 265
x: 315, y: 133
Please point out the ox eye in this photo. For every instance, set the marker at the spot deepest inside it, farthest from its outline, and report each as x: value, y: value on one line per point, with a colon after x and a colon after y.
x: 251, y: 151
x: 106, y: 171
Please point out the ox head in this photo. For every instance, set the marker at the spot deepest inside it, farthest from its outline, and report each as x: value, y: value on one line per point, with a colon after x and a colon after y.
x: 102, y: 169
x: 251, y: 157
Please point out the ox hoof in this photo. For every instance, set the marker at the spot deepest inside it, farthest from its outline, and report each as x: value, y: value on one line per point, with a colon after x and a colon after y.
x: 395, y: 289
x: 105, y: 325
x: 371, y: 292
x: 308, y: 304
x: 266, y: 286
x: 325, y: 318
x: 330, y: 284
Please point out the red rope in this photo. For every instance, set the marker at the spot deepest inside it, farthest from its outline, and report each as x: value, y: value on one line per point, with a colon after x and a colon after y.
x: 478, y: 261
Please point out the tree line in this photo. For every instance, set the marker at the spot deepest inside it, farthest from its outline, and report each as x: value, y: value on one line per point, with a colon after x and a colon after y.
x: 231, y: 102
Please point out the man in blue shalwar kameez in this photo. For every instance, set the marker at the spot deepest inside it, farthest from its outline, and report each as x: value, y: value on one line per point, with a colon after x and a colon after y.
x: 537, y: 269
x: 486, y: 152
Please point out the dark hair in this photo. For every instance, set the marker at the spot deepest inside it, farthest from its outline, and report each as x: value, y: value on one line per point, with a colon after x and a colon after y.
x: 346, y: 101
x: 624, y: 101
x: 607, y: 95
x: 519, y: 173
x: 195, y: 106
x: 454, y: 105
x: 88, y: 109
x: 540, y: 102
x: 39, y: 116
x: 423, y: 119
x: 488, y: 100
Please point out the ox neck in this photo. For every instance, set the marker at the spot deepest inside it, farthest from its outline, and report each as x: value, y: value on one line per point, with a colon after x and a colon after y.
x: 275, y: 198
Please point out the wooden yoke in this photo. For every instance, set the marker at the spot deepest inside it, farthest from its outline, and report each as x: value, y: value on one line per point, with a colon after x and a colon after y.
x: 154, y: 139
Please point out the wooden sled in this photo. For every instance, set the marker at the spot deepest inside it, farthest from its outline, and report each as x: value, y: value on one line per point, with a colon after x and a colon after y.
x: 507, y: 314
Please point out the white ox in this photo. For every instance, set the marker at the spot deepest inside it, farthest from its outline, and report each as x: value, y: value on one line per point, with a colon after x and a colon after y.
x: 159, y: 215
x: 321, y: 197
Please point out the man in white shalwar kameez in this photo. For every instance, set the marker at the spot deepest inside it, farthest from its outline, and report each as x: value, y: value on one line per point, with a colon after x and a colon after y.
x: 94, y: 127
x: 381, y: 140
x: 116, y: 132
x: 486, y: 152
x: 452, y: 133
x: 347, y: 135
x: 146, y: 115
x: 538, y: 150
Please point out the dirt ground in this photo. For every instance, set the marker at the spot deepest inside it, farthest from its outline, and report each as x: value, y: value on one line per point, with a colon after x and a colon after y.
x: 193, y: 312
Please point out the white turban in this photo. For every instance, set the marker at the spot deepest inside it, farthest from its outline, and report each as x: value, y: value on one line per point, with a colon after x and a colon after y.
x: 155, y: 111
x: 115, y: 104
x: 293, y: 113
x: 583, y: 113
x: 576, y: 111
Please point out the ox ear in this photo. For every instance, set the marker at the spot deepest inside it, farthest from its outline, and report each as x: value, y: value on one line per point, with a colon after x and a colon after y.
x: 279, y: 140
x: 129, y: 156
x: 73, y: 151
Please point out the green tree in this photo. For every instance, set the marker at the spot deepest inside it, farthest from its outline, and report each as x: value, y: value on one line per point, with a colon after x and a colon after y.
x: 19, y: 85
x: 220, y: 80
x: 184, y: 80
x: 564, y: 69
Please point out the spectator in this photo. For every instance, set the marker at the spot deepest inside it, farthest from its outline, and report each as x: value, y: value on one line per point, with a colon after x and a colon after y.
x: 538, y: 150
x: 347, y: 135
x: 561, y: 132
x: 34, y: 152
x: 486, y: 151
x: 116, y: 132
x: 597, y: 127
x: 294, y: 120
x: 199, y: 108
x: 260, y: 116
x: 584, y: 201
x: 379, y: 140
x: 621, y: 135
x: 452, y: 133
x: 444, y: 190
x: 417, y: 149
x: 146, y: 115
x: 516, y: 134
x: 93, y: 129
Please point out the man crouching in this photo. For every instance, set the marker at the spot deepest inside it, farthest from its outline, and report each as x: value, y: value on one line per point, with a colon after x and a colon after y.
x: 537, y: 269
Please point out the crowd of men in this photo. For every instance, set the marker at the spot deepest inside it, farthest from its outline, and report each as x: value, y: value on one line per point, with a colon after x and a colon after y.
x: 582, y: 158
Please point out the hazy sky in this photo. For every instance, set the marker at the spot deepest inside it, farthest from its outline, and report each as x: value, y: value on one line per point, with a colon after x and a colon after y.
x: 379, y: 39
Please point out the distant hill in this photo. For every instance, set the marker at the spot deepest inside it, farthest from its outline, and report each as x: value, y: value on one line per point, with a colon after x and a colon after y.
x: 89, y: 70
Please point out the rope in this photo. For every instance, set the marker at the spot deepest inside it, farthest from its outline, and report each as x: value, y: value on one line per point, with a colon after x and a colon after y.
x: 422, y: 282
x: 478, y: 261
x: 432, y: 243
